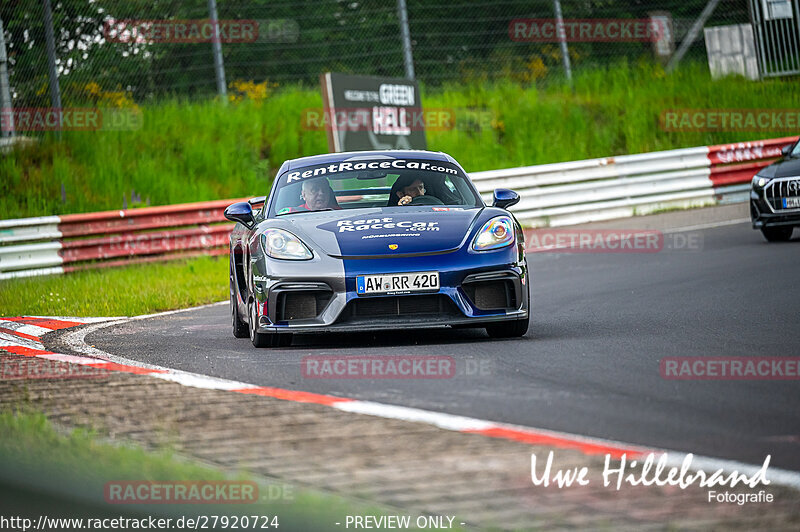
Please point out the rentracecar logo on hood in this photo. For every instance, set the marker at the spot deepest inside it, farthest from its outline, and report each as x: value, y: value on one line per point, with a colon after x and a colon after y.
x: 385, y: 222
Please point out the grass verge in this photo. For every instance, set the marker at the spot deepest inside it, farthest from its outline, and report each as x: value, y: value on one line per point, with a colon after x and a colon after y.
x: 64, y: 476
x: 194, y: 151
x: 127, y: 291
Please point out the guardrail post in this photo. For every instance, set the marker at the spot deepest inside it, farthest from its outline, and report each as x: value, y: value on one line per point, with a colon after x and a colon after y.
x: 408, y: 59
x: 5, y: 93
x: 55, y: 91
x: 562, y: 40
x: 216, y: 46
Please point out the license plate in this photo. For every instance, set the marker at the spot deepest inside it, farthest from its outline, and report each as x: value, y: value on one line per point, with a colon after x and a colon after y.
x: 397, y: 283
x: 791, y: 203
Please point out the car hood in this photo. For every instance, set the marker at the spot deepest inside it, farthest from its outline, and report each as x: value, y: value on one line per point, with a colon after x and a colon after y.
x: 784, y: 168
x: 384, y: 231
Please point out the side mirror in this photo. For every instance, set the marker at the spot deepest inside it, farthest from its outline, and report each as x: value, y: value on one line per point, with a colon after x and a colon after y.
x: 504, y: 198
x: 241, y: 212
x: 786, y: 150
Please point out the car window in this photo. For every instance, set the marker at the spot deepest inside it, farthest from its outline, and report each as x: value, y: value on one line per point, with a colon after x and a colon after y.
x: 371, y: 183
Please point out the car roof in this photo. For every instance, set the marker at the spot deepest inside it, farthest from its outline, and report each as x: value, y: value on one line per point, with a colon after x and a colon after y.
x: 366, y: 155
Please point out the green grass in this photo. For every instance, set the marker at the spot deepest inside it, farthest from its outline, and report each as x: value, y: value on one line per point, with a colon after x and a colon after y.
x: 64, y: 474
x: 128, y: 291
x: 200, y: 151
x: 34, y: 443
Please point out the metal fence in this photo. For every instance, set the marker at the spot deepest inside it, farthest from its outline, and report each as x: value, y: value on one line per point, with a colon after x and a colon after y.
x: 776, y: 25
x: 111, y: 51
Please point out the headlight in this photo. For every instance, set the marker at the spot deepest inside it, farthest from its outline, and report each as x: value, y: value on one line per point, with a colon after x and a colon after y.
x: 280, y: 244
x: 760, y: 181
x: 496, y: 233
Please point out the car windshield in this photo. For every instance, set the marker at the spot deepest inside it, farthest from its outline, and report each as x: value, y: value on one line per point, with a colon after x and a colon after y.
x: 358, y: 184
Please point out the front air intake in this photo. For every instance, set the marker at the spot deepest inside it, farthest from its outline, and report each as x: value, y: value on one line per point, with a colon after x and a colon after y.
x: 301, y: 305
x: 491, y: 295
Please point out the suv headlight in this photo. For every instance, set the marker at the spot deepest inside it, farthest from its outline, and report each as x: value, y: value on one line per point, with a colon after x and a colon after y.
x: 496, y: 233
x: 280, y: 244
x: 759, y: 181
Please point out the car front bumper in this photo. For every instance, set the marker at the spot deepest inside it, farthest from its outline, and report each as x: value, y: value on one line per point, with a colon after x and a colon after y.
x: 475, y: 289
x: 764, y: 215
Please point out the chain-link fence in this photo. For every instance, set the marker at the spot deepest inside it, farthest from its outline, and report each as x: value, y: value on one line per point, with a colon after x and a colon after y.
x: 115, y: 51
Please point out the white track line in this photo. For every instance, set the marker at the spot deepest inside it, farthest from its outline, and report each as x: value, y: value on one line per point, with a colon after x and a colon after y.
x: 709, y: 225
x: 76, y: 340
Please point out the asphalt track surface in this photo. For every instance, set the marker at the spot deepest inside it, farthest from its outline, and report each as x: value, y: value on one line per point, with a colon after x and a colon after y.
x: 589, y: 364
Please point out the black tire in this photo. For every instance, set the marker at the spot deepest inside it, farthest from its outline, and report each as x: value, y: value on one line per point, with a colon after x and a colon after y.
x: 778, y: 234
x: 239, y: 326
x: 265, y: 339
x: 508, y: 329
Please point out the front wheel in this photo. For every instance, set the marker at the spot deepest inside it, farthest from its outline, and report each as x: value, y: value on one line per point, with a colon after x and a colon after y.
x: 239, y: 326
x: 778, y: 234
x: 508, y: 329
x: 265, y: 339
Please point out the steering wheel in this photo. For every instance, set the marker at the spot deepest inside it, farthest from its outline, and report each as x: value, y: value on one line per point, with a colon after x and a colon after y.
x: 426, y: 200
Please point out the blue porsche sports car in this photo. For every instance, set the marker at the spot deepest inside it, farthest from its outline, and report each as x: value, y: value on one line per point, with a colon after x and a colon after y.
x: 375, y: 240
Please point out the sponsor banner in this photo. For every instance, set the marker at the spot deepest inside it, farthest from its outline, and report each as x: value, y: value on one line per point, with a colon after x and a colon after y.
x: 744, y: 120
x: 394, y: 164
x: 381, y: 112
x: 730, y: 368
x: 587, y: 30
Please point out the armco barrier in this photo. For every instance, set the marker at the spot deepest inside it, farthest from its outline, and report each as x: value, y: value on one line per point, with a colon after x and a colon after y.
x: 552, y: 195
x: 734, y: 165
x: 617, y: 187
x: 60, y: 244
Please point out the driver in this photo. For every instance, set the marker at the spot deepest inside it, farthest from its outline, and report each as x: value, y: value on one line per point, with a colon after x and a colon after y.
x: 408, y: 193
x: 318, y: 196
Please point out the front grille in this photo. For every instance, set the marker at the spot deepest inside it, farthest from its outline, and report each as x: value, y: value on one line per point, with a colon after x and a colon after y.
x: 397, y: 305
x: 429, y: 308
x: 301, y: 304
x: 491, y: 295
x: 778, y: 189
